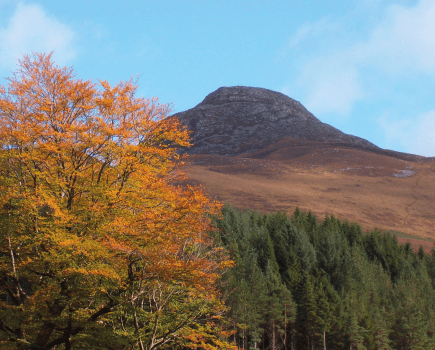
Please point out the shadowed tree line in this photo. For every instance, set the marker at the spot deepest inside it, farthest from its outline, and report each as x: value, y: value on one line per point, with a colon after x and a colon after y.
x: 300, y: 284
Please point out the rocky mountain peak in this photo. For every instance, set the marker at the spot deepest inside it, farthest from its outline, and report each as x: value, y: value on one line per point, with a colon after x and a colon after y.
x: 239, y: 119
x: 249, y: 94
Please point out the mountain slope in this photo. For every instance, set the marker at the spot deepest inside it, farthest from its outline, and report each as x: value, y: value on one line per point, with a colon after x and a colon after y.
x: 255, y: 148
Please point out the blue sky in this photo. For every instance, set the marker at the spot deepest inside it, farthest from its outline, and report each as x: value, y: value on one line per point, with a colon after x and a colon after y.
x: 367, y: 67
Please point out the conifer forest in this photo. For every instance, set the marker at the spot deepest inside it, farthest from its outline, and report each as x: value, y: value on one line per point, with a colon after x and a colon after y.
x: 300, y: 284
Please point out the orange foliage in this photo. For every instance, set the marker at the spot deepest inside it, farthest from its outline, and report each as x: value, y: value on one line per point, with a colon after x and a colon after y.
x: 92, y: 223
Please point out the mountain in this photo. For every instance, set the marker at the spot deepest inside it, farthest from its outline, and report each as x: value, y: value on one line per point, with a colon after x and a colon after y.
x: 259, y: 149
x: 235, y: 120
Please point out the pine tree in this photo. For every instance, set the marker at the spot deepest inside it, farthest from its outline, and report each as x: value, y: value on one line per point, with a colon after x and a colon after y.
x: 411, y: 327
x: 298, y: 218
x: 307, y: 313
x: 355, y: 333
x: 324, y: 315
x: 281, y: 309
x: 381, y: 330
x: 299, y: 242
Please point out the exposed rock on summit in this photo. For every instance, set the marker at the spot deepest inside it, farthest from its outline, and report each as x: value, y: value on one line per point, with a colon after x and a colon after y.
x: 235, y: 120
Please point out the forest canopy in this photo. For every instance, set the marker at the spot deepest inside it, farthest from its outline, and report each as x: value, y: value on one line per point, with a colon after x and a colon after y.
x: 301, y: 284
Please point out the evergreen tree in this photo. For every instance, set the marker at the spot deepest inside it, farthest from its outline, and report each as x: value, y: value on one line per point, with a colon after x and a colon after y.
x: 355, y: 333
x: 307, y: 318
x: 299, y: 242
x: 280, y: 314
x: 299, y: 218
x: 412, y: 326
x: 421, y: 253
x: 353, y: 233
x: 324, y: 315
x: 333, y: 256
x: 381, y: 330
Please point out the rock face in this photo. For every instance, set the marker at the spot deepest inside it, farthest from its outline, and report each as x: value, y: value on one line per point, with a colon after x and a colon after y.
x: 235, y: 120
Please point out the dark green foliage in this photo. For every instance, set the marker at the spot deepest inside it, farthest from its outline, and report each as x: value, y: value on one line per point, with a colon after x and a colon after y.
x: 300, y: 284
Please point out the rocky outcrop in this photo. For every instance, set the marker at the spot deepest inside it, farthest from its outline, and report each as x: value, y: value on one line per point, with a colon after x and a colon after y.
x: 235, y: 120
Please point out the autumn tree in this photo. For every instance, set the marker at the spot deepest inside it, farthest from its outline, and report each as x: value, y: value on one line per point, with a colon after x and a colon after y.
x: 101, y: 247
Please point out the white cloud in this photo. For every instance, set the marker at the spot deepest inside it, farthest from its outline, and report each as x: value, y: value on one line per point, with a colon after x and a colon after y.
x: 416, y: 136
x: 333, y: 79
x: 31, y: 29
x: 6, y: 2
x: 405, y: 40
x: 423, y: 141
x: 312, y: 31
x: 331, y: 86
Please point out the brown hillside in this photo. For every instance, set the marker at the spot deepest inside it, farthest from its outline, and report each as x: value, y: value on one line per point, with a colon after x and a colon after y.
x: 374, y: 190
x: 260, y: 149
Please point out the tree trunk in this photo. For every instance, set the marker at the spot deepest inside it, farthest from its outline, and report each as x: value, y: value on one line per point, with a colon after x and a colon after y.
x: 285, y: 327
x: 273, y: 336
x: 324, y: 340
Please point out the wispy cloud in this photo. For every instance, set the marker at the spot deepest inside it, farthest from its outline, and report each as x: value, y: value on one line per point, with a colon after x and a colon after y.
x: 416, y: 136
x: 31, y: 29
x: 308, y: 32
x: 405, y: 40
x: 331, y: 79
x: 389, y: 63
x: 330, y: 85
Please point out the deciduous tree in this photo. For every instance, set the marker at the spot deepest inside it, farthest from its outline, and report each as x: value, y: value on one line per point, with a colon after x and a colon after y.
x: 100, y: 248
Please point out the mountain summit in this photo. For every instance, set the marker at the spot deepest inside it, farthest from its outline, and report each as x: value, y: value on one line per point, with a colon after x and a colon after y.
x: 240, y: 119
